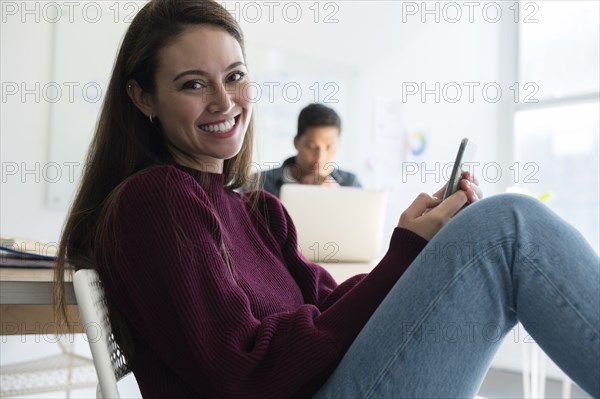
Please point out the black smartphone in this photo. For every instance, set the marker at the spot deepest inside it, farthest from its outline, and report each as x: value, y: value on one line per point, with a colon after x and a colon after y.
x: 466, y: 153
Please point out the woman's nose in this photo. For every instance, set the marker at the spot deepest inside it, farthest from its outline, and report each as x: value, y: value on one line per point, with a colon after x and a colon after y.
x: 220, y: 100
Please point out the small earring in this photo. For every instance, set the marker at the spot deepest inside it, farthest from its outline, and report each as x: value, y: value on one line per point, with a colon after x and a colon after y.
x: 151, y: 120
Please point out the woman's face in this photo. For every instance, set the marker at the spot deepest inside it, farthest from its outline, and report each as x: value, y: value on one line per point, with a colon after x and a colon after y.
x: 201, y: 99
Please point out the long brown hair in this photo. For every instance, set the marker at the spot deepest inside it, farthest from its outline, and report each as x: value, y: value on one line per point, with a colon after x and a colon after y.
x: 125, y: 141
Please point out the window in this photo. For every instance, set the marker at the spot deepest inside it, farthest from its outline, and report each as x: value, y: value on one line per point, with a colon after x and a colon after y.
x: 556, y: 123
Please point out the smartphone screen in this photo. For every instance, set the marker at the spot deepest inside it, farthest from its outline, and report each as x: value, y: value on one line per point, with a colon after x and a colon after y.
x: 466, y: 153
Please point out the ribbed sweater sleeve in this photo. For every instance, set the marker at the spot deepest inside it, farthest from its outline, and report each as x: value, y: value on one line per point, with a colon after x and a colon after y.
x: 355, y: 300
x: 161, y: 258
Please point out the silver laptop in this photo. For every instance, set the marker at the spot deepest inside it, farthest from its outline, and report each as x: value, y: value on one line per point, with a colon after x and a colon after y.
x: 336, y: 224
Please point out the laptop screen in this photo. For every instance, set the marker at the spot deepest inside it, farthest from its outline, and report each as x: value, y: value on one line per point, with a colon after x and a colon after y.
x: 336, y: 224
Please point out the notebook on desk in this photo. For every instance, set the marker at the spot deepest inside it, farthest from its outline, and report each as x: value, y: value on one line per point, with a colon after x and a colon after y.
x: 341, y: 224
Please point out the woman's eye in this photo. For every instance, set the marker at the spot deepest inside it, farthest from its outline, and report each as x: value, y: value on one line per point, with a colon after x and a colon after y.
x: 234, y: 77
x: 193, y: 85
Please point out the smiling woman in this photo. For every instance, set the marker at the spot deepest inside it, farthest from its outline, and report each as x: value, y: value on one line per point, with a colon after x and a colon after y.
x: 201, y: 98
x: 176, y: 97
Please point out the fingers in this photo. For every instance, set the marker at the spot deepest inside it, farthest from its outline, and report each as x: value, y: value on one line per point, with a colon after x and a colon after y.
x: 473, y: 190
x: 469, y: 189
x: 451, y: 205
x: 421, y: 204
x: 471, y: 178
x: 330, y: 182
x: 427, y: 215
x: 316, y: 179
x: 470, y: 185
x: 440, y: 193
x: 307, y: 179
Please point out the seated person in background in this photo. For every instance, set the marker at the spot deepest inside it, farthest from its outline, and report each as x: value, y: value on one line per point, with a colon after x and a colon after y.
x: 316, y: 141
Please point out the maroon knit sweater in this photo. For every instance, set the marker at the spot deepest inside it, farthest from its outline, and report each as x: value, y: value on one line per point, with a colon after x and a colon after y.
x: 270, y: 325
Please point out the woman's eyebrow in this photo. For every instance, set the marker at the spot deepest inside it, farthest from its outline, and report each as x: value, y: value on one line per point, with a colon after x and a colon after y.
x: 204, y: 73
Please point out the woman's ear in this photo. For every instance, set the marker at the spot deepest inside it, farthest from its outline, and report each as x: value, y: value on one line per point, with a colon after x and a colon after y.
x: 142, y: 100
x: 296, y: 139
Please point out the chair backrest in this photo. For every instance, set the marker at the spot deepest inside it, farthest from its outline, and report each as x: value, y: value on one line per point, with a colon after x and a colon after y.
x: 108, y: 359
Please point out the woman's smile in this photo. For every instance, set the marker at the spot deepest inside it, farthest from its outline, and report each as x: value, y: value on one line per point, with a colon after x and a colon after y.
x: 221, y: 129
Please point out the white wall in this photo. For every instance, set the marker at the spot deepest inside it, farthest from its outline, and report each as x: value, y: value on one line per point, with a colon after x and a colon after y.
x: 383, y: 58
x: 26, y: 58
x: 374, y: 56
x: 26, y: 55
x: 390, y: 49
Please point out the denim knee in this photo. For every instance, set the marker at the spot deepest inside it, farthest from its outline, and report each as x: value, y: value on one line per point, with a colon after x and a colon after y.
x: 509, y: 206
x: 513, y: 201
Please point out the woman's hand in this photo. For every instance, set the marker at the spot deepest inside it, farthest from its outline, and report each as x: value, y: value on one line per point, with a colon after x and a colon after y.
x: 470, y: 185
x: 428, y: 214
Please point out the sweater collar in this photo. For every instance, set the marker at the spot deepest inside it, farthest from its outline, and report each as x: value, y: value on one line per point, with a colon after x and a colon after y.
x: 212, y: 182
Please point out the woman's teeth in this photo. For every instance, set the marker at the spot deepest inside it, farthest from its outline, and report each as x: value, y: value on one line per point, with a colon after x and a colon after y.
x: 219, y: 127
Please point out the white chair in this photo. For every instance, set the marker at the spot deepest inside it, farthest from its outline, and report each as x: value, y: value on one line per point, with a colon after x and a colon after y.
x: 61, y: 372
x: 534, y: 373
x: 108, y: 359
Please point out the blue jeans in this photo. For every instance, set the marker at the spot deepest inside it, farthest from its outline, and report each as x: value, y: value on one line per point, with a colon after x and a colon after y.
x: 504, y: 259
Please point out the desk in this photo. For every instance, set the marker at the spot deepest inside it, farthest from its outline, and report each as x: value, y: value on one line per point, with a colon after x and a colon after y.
x: 26, y: 303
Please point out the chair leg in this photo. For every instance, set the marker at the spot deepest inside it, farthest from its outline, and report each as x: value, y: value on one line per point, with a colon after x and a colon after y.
x: 534, y: 371
x: 526, y: 370
x: 566, y: 387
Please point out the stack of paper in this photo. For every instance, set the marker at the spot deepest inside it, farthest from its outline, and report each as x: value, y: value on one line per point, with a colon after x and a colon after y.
x: 27, y: 253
